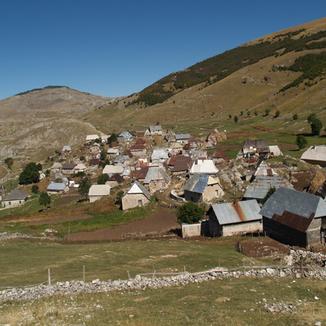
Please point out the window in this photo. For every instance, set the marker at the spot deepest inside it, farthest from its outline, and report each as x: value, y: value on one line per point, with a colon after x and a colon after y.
x: 140, y: 203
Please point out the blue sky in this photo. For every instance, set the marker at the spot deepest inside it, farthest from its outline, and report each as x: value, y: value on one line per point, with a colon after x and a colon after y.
x: 116, y: 47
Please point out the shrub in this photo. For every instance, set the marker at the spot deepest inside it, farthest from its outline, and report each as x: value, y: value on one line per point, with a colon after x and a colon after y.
x: 316, y: 127
x: 45, y: 199
x: 84, y: 186
x: 311, y: 117
x: 35, y: 189
x: 235, y: 119
x: 277, y: 114
x: 190, y: 213
x: 102, y: 179
x: 301, y: 141
x: 295, y: 116
x: 30, y: 174
x: 112, y: 139
x: 9, y: 161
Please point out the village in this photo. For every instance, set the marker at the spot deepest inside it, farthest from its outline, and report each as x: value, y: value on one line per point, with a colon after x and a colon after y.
x: 260, y: 191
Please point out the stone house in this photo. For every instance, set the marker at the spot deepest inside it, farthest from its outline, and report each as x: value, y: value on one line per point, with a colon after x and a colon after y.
x: 15, y: 198
x: 156, y: 179
x: 202, y: 187
x: 315, y: 155
x: 137, y: 196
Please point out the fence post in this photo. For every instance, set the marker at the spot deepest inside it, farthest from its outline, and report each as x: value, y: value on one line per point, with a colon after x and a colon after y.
x: 49, y: 276
x: 84, y: 278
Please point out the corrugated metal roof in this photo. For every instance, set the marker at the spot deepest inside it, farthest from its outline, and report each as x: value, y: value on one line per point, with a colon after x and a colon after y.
x: 182, y: 136
x: 56, y: 186
x: 242, y: 211
x: 259, y: 188
x: 196, y: 183
x: 295, y: 202
x: 99, y: 190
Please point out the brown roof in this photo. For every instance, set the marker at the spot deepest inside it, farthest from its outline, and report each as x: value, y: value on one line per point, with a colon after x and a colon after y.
x: 137, y: 146
x: 179, y: 163
x: 220, y: 154
x: 140, y: 173
x: 296, y: 222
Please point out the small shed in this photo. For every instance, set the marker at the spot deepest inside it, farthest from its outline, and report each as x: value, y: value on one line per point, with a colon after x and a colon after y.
x: 97, y: 192
x: 315, y: 155
x: 57, y: 188
x: 236, y: 218
x: 137, y: 196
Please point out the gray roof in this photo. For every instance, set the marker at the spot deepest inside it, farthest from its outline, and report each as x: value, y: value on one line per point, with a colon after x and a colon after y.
x: 155, y: 173
x: 295, y: 202
x: 182, y: 136
x: 16, y: 194
x: 142, y: 188
x: 126, y: 135
x: 155, y: 128
x: 259, y: 188
x: 56, y: 186
x: 196, y: 183
x: 239, y: 212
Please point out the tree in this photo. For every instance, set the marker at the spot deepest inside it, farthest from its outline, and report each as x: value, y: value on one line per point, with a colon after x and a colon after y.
x: 84, y: 186
x: 45, y: 199
x: 112, y: 139
x: 311, y: 117
x: 30, y: 174
x: 9, y: 161
x: 316, y: 127
x: 35, y: 189
x: 236, y: 119
x: 301, y: 141
x: 103, y: 155
x: 267, y: 111
x: 295, y: 116
x: 277, y: 114
x: 230, y: 116
x: 190, y: 213
x: 102, y: 179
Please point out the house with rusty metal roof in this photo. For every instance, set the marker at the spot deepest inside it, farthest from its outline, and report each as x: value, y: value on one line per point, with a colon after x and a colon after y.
x: 227, y: 219
x: 295, y: 218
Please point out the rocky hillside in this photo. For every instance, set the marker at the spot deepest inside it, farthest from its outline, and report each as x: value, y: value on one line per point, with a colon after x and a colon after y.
x: 34, y: 123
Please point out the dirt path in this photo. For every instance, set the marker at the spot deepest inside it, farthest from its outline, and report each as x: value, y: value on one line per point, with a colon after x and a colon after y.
x: 162, y: 220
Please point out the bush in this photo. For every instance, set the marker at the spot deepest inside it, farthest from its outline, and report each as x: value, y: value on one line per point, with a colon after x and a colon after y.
x: 35, y: 189
x: 311, y: 117
x: 30, y: 174
x: 102, y: 179
x: 316, y: 127
x: 301, y: 141
x: 236, y: 119
x: 84, y: 186
x: 295, y: 116
x: 190, y: 213
x: 112, y: 139
x: 277, y: 114
x: 9, y: 161
x: 45, y: 199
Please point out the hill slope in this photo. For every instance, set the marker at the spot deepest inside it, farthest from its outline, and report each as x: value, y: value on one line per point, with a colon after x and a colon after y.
x: 282, y: 72
x: 34, y: 123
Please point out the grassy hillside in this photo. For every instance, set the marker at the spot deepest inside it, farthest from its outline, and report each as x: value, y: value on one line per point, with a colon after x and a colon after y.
x: 227, y: 302
x: 220, y: 66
